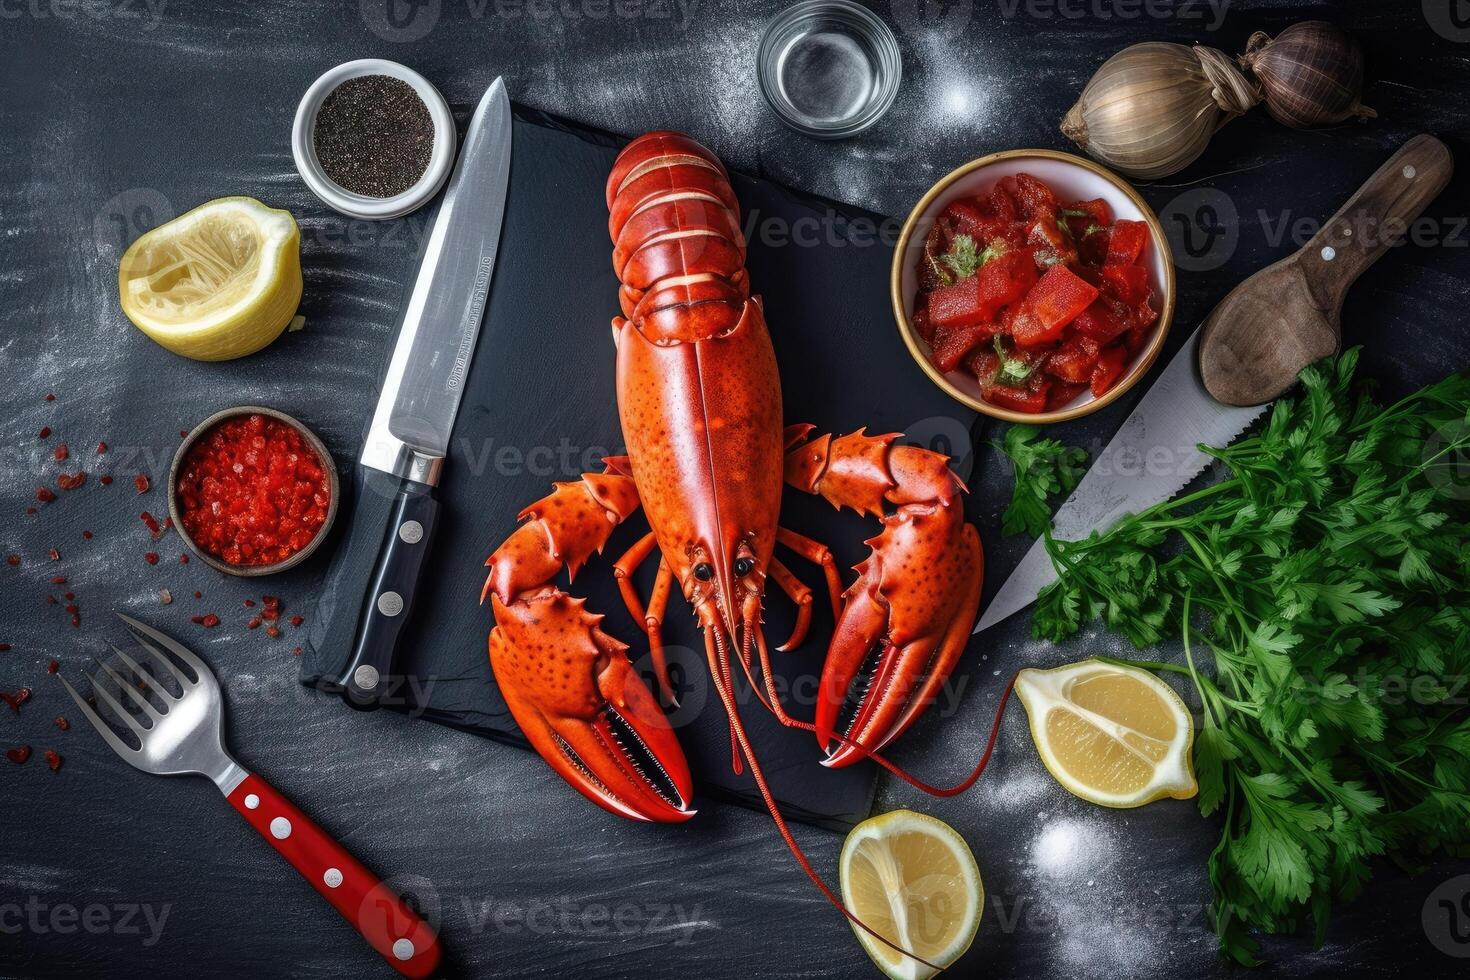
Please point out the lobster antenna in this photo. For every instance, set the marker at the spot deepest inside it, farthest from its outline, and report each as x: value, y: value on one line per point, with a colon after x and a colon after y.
x: 719, y: 670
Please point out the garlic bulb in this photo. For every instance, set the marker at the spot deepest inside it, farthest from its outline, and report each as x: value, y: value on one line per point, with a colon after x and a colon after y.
x: 1311, y: 74
x: 1151, y: 108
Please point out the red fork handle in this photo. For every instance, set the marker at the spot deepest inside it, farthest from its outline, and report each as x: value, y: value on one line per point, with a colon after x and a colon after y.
x: 406, y: 941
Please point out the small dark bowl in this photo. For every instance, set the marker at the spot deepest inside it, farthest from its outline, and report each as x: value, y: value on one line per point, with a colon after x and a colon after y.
x: 251, y: 571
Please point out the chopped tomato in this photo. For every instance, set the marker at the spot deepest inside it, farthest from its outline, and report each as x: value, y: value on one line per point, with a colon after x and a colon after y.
x: 1061, y: 394
x: 923, y: 326
x: 957, y: 305
x: 983, y: 362
x: 1096, y: 210
x: 1029, y: 398
x: 1052, y: 242
x: 1109, y: 366
x: 1104, y: 319
x: 1129, y: 282
x: 1034, y: 198
x: 1074, y: 360
x: 1055, y: 301
x: 1126, y: 242
x: 932, y: 273
x: 952, y: 343
x: 1006, y: 279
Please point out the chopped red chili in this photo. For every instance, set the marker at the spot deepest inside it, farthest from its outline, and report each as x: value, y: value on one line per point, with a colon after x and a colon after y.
x: 19, y: 754
x: 53, y: 759
x: 45, y: 432
x: 105, y: 479
x: 101, y: 447
x: 70, y: 481
x: 53, y: 554
x: 12, y: 559
x: 253, y: 491
x: 87, y: 535
x: 58, y: 580
x: 53, y: 667
x: 62, y: 723
x: 141, y: 482
x: 151, y: 558
x: 45, y: 495
x: 60, y: 453
x: 209, y: 620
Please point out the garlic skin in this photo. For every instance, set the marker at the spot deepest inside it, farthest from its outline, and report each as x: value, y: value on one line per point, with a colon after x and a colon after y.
x: 1311, y: 74
x: 1151, y: 109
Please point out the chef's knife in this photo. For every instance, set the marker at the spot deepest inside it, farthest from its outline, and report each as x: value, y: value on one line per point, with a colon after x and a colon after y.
x: 369, y: 592
x: 1254, y: 342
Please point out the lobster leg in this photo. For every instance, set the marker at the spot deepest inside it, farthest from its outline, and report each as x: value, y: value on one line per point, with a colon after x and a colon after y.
x: 818, y: 554
x: 905, y: 621
x: 651, y: 618
x: 570, y: 685
x: 797, y: 591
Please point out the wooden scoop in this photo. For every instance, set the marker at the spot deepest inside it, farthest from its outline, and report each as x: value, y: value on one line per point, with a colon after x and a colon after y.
x: 1261, y: 335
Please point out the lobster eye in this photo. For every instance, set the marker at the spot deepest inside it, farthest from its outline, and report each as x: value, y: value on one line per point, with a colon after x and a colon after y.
x: 704, y: 571
x: 743, y: 567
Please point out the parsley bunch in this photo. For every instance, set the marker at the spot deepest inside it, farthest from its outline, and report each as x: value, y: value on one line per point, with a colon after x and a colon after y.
x: 1321, y: 589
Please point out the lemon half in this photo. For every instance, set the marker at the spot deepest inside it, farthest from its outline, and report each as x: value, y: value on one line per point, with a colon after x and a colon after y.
x: 1116, y: 736
x: 913, y: 880
x: 219, y: 282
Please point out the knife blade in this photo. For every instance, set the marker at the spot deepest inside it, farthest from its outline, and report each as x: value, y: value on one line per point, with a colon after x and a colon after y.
x: 408, y: 438
x: 1152, y: 457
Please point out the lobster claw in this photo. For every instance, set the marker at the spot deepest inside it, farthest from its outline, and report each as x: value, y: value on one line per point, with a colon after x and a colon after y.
x: 904, y: 624
x: 586, y: 710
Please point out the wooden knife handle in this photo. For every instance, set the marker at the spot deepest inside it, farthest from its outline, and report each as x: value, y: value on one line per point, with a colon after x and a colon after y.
x: 1380, y: 214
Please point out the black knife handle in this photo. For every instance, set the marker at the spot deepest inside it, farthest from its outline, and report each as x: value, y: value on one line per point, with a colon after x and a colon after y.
x: 404, y: 530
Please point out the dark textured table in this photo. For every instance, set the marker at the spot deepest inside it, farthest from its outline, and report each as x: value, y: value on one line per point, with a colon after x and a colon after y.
x: 115, y: 116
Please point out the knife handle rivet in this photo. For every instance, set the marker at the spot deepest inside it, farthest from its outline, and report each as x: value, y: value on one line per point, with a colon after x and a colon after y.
x: 252, y: 801
x: 390, y: 603
x: 412, y: 532
x: 332, y: 877
x: 1328, y: 253
x: 403, y: 949
x: 280, y: 828
x: 365, y: 677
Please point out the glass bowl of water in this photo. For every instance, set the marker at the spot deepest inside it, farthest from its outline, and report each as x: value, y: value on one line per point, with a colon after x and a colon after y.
x: 830, y: 68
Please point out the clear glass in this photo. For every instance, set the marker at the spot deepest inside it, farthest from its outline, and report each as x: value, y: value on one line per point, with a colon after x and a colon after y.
x: 830, y: 68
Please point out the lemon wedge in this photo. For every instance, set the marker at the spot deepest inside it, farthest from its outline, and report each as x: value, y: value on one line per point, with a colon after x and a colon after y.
x: 1116, y: 736
x: 913, y: 880
x: 219, y: 282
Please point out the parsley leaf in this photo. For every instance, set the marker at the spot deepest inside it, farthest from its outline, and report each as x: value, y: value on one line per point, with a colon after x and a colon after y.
x: 964, y: 259
x: 1043, y: 468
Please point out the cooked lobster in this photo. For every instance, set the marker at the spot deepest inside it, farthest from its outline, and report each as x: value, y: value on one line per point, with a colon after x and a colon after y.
x: 699, y: 399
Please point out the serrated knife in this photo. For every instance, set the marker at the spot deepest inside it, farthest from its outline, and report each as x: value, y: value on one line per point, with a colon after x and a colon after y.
x: 1252, y: 345
x: 369, y: 593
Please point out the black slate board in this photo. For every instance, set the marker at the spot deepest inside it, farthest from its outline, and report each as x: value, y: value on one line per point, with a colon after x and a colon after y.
x: 539, y: 406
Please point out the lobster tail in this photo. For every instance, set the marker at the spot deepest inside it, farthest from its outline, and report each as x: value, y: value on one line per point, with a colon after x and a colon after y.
x: 677, y: 245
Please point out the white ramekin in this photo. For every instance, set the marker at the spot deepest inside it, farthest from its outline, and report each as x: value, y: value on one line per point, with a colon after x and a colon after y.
x: 441, y: 159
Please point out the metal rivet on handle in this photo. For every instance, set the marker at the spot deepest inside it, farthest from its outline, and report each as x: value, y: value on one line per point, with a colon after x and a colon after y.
x: 1409, y: 171
x: 1328, y: 253
x: 252, y: 801
x: 412, y: 532
x: 403, y: 949
x: 280, y: 828
x: 390, y: 603
x: 332, y: 877
x: 365, y: 677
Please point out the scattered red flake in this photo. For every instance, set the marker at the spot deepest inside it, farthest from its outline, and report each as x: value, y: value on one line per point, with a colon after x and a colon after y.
x: 53, y: 554
x: 272, y: 632
x: 16, y: 699
x: 45, y: 432
x: 295, y: 651
x: 53, y: 759
x: 76, y: 622
x: 4, y: 647
x: 249, y: 602
x: 253, y: 623
x: 58, y: 580
x: 70, y: 481
x: 105, y: 479
x: 61, y: 452
x: 196, y: 619
x: 141, y: 482
x: 72, y: 609
x: 53, y: 667
x: 165, y: 596
x: 183, y: 433
x: 70, y: 596
x: 62, y: 723
x: 209, y: 621
x: 12, y: 559
x: 87, y: 535
x: 101, y: 447
x: 270, y: 601
x: 151, y: 558
x: 199, y: 595
x: 32, y: 510
x: 152, y: 522
x: 183, y: 559
x: 295, y: 620
x: 51, y: 600
x: 270, y: 615
x: 50, y: 397
x: 19, y: 754
x: 44, y: 495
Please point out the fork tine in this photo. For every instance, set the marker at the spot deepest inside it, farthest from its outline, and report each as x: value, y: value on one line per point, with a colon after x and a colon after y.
x: 108, y: 735
x: 124, y: 684
x: 123, y: 714
x: 142, y: 630
x: 137, y: 668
